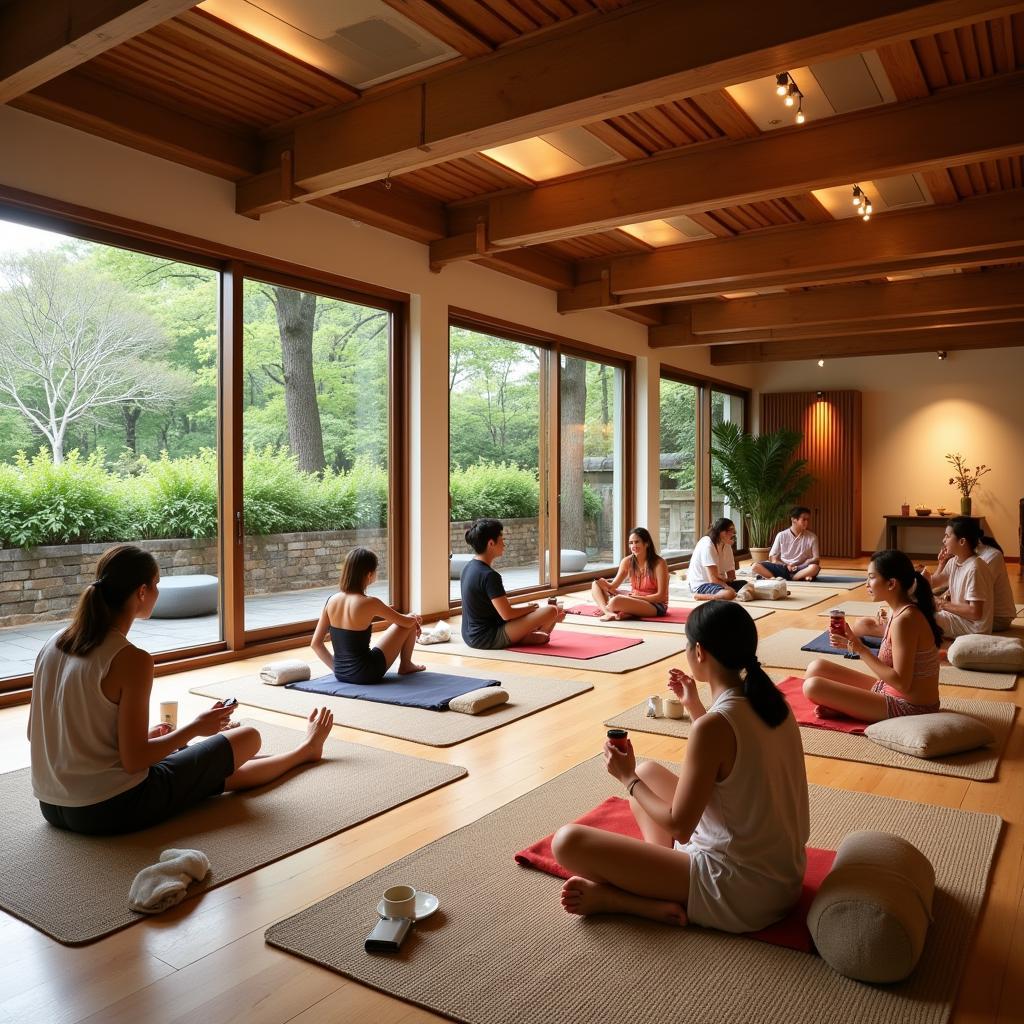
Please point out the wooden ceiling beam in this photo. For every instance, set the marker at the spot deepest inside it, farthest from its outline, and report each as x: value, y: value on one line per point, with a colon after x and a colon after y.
x: 952, y: 339
x: 851, y: 246
x: 41, y: 39
x: 957, y: 126
x: 623, y: 61
x: 931, y: 296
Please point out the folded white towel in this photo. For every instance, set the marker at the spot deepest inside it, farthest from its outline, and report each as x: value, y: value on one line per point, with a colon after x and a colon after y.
x: 277, y: 673
x: 164, y: 884
x: 773, y: 590
x: 441, y: 633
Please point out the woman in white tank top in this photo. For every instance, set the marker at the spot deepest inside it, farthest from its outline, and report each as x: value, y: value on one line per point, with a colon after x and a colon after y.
x: 724, y: 842
x: 97, y: 767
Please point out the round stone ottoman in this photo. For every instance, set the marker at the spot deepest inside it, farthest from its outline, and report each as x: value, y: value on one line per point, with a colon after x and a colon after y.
x: 186, y: 597
x: 572, y: 561
x: 457, y: 564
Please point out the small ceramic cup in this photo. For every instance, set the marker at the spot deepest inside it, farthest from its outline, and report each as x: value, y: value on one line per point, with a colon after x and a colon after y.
x: 400, y: 901
x: 672, y: 707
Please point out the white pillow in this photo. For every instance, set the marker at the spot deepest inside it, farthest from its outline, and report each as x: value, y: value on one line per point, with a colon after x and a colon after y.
x: 871, y: 914
x: 987, y: 653
x: 773, y: 590
x: 933, y: 735
x: 475, y: 701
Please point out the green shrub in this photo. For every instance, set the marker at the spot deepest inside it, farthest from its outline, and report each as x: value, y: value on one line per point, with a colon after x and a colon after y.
x: 173, y: 497
x: 592, y: 504
x: 354, y: 500
x: 493, y: 489
x: 279, y: 497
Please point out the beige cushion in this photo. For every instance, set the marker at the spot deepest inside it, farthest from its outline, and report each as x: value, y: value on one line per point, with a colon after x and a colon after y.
x: 934, y: 735
x: 985, y: 653
x: 475, y: 701
x: 773, y: 590
x: 871, y: 914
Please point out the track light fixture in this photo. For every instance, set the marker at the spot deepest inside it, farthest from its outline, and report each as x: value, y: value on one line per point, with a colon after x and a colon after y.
x: 863, y: 203
x: 786, y: 87
x: 821, y: 362
x: 941, y: 354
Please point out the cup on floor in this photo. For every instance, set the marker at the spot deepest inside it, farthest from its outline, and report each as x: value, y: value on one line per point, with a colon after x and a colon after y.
x: 673, y: 707
x: 654, y: 707
x: 399, y: 901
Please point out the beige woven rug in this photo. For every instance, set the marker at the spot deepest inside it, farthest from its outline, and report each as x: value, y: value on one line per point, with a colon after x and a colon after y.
x: 652, y: 649
x: 858, y: 608
x: 977, y: 765
x: 652, y: 625
x: 798, y: 599
x: 75, y: 888
x: 434, y: 728
x: 500, y: 949
x: 782, y: 650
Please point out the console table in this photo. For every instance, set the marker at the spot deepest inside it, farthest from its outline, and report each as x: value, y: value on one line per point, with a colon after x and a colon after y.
x: 894, y: 522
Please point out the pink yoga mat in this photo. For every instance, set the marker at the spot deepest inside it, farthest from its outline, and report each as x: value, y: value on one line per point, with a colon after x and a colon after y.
x: 615, y: 815
x: 803, y: 710
x: 564, y: 644
x: 672, y: 615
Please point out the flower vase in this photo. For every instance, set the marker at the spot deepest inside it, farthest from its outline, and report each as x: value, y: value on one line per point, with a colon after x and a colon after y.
x: 965, y: 506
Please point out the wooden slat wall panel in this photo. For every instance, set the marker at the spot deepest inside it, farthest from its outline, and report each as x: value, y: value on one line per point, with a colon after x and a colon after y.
x: 831, y: 426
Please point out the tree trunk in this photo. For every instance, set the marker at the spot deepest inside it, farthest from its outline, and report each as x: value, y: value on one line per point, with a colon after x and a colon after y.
x: 296, y: 313
x: 573, y: 402
x: 130, y: 414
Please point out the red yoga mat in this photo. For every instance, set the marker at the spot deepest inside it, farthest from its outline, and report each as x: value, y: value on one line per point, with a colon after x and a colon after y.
x: 564, y: 644
x: 614, y: 815
x: 672, y: 615
x: 803, y: 710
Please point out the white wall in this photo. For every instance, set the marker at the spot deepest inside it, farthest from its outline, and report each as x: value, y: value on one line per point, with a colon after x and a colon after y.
x: 917, y: 408
x: 55, y: 161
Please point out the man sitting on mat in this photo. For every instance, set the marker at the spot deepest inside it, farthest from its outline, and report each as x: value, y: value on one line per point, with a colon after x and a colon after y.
x: 712, y: 570
x: 794, y: 554
x: 489, y: 621
x: 724, y: 841
x: 969, y: 607
x: 648, y: 583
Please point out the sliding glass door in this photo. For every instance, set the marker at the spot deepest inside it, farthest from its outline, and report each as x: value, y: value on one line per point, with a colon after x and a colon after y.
x: 680, y: 522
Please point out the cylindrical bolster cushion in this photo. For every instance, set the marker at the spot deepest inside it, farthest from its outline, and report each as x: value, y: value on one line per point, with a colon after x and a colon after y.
x: 773, y: 590
x: 475, y: 701
x: 872, y: 912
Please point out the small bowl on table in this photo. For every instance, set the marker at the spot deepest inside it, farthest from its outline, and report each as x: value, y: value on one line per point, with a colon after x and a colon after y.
x: 922, y: 511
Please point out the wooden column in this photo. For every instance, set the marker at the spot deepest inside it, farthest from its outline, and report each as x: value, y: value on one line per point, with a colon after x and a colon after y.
x: 830, y: 422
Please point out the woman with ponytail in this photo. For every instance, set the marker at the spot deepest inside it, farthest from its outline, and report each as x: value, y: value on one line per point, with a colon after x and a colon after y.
x: 724, y: 840
x: 903, y: 677
x: 97, y: 767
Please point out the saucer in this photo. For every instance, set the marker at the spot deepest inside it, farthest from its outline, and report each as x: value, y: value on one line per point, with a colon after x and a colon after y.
x: 426, y: 904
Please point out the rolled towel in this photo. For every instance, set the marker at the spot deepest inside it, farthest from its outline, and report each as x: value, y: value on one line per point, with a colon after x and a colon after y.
x: 164, y: 884
x: 773, y: 590
x: 475, y: 701
x: 440, y: 634
x: 277, y: 673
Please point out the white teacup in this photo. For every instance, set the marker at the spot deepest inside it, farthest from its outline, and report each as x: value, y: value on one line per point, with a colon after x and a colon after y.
x: 672, y: 707
x: 400, y: 901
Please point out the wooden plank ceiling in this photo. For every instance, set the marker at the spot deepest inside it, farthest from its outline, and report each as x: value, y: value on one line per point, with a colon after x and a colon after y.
x: 197, y: 90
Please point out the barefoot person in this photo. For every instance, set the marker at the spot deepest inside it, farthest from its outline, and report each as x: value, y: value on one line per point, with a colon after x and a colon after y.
x: 712, y: 570
x: 97, y: 767
x: 794, y: 553
x: 348, y: 616
x: 903, y: 677
x: 724, y: 841
x: 489, y: 621
x: 648, y: 582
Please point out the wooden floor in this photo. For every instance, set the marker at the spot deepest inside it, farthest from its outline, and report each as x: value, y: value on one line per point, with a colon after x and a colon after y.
x: 206, y: 960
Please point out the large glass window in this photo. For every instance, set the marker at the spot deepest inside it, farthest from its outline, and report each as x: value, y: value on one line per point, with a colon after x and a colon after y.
x: 496, y: 422
x: 108, y: 433
x: 727, y: 408
x: 315, y: 447
x: 679, y: 521
x: 590, y: 496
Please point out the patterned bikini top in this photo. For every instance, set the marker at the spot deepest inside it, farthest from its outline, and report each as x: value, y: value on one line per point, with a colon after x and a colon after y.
x: 926, y: 663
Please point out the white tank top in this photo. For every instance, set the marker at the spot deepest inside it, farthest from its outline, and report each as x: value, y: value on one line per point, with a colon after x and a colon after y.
x: 73, y: 729
x: 757, y: 819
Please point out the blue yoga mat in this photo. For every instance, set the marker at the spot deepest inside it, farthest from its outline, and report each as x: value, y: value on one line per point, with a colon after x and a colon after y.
x: 821, y: 578
x: 430, y: 690
x: 820, y: 645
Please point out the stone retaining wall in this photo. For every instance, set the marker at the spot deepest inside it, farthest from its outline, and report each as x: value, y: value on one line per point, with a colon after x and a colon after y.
x: 520, y: 540
x: 43, y: 584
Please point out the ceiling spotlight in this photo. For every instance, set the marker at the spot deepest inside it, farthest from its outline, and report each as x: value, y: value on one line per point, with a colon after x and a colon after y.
x: 821, y: 362
x: 782, y: 83
x: 789, y: 98
x: 857, y: 195
x: 867, y: 216
x: 820, y: 394
x: 941, y: 354
x: 800, y: 113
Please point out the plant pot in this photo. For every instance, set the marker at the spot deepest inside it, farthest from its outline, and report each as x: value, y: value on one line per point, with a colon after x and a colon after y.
x: 965, y: 506
x: 759, y: 554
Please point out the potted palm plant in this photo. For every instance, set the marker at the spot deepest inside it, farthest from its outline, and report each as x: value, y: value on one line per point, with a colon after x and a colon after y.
x: 759, y: 477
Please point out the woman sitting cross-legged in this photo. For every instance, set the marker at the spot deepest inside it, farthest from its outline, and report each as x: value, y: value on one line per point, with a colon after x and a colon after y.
x: 724, y: 841
x: 903, y: 677
x: 348, y: 616
x: 712, y: 571
x: 490, y: 622
x: 648, y: 582
x: 97, y: 766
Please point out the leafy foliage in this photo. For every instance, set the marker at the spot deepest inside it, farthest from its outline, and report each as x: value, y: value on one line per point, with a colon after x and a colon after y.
x: 503, y: 491
x: 758, y: 475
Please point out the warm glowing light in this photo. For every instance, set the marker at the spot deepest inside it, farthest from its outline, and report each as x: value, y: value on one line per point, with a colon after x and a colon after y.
x: 789, y: 100
x: 534, y: 159
x: 673, y: 231
x: 821, y: 362
x: 800, y: 117
x: 782, y: 83
x: 866, y: 217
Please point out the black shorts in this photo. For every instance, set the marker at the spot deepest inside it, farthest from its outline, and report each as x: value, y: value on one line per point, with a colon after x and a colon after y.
x: 173, y: 785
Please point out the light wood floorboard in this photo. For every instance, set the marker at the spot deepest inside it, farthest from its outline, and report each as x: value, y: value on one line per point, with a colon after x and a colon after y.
x: 206, y: 960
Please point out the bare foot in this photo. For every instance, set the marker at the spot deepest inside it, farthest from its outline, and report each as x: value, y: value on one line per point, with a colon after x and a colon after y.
x: 409, y: 668
x: 318, y: 729
x: 583, y: 897
x: 821, y: 711
x: 608, y: 617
